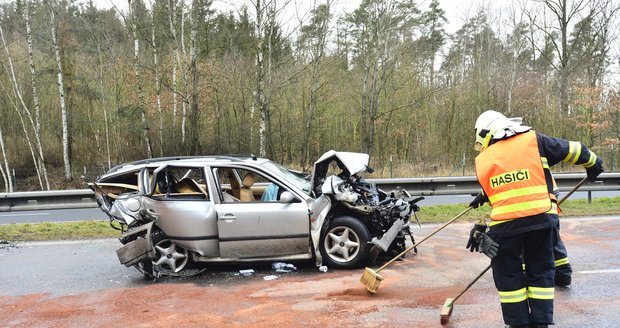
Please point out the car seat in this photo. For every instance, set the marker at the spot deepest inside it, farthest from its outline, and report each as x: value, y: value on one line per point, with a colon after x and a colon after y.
x: 245, y: 194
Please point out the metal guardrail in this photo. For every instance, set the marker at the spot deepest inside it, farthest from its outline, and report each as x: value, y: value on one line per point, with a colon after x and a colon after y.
x: 469, y: 184
x: 430, y: 186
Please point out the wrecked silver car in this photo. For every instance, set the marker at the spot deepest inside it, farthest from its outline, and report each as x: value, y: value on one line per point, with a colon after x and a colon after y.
x: 179, y: 211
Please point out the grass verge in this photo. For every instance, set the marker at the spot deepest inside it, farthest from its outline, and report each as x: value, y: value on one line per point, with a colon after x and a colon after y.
x: 57, y: 231
x: 427, y: 214
x: 577, y: 207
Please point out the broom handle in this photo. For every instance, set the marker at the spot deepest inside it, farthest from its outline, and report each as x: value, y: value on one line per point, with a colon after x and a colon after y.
x: 471, y: 283
x: 573, y: 190
x: 425, y: 238
x: 488, y: 267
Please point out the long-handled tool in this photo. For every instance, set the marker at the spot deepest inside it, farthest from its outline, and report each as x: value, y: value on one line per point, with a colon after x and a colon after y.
x: 372, y: 279
x: 448, y: 305
x: 446, y: 310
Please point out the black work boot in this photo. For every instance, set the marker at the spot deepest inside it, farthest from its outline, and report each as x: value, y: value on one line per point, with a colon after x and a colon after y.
x: 534, y: 325
x: 522, y: 326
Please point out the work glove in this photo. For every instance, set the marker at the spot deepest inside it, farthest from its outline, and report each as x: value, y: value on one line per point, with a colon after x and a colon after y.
x: 472, y: 242
x: 478, y: 201
x: 487, y: 246
x: 595, y: 170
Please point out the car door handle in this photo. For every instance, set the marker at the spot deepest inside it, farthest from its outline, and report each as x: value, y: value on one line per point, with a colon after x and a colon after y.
x: 228, y: 217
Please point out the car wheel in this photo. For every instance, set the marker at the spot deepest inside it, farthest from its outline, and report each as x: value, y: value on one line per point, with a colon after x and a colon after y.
x: 170, y: 256
x: 344, y: 244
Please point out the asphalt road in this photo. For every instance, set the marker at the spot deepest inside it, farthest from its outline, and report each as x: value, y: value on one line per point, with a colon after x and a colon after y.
x: 64, y: 215
x: 411, y: 294
x: 88, y: 214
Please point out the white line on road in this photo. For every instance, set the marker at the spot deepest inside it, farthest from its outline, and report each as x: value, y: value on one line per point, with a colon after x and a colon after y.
x: 40, y: 213
x: 599, y: 271
x: 591, y: 218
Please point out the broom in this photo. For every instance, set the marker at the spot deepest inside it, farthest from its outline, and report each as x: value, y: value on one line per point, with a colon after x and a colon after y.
x: 446, y: 310
x: 372, y: 279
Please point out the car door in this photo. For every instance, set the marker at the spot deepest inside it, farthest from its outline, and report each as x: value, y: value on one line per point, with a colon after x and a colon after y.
x: 258, y: 228
x: 184, y: 209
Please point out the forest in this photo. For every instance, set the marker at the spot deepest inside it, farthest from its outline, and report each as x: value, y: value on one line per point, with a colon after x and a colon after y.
x: 83, y: 88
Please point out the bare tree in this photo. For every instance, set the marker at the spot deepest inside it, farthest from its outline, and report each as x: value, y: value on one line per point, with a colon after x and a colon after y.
x: 157, y: 84
x: 8, y: 182
x: 195, y: 19
x: 259, y: 91
x: 517, y: 41
x: 264, y: 29
x: 375, y: 26
x: 175, y: 62
x: 61, y: 95
x: 136, y: 69
x: 21, y: 109
x: 183, y: 67
x: 564, y: 12
x: 180, y: 65
x: 35, y: 97
x: 315, y: 35
x: 106, y: 120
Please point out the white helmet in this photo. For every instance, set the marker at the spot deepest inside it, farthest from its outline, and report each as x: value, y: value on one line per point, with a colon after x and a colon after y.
x: 494, y: 125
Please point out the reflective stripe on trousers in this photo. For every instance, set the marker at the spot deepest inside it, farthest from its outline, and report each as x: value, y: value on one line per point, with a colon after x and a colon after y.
x: 521, y: 295
x: 563, y: 261
x: 541, y: 293
x: 557, y: 263
x: 513, y: 296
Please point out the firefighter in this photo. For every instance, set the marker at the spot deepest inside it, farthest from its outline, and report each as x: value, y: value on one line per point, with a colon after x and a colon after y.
x: 513, y: 170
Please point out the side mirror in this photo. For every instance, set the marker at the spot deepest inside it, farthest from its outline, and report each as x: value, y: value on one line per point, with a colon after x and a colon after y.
x: 287, y: 197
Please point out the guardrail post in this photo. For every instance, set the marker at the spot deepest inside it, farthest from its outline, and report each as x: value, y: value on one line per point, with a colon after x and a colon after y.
x: 589, y: 197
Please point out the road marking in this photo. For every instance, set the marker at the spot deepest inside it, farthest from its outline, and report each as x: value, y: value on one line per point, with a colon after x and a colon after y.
x: 599, y: 271
x: 25, y: 214
x: 590, y: 218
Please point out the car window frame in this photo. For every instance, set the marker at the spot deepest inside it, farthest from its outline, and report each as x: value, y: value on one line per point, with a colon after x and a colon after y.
x: 166, y: 197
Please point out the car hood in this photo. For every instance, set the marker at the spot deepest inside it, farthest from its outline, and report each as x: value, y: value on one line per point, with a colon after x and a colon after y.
x: 349, y: 163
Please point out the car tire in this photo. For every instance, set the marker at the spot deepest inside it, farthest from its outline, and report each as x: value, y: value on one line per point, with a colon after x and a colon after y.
x: 146, y: 266
x: 344, y: 244
x: 161, y: 243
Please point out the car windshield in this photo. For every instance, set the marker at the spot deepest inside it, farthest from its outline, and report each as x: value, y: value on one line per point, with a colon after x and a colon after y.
x: 295, y: 178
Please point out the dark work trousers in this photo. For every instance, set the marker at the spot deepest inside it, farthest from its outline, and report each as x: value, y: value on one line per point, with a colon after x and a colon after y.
x: 563, y: 269
x: 524, y: 300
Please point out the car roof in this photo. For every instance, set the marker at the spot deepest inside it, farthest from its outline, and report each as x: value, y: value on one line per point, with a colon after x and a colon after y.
x: 196, y: 160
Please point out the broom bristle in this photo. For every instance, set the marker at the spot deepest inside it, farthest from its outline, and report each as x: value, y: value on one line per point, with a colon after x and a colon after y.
x: 446, y: 311
x: 371, y: 280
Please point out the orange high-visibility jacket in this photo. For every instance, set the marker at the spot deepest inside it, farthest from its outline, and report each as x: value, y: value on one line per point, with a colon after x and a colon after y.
x: 512, y: 176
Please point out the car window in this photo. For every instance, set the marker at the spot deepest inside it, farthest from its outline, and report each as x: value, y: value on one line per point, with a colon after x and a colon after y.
x: 241, y: 185
x: 298, y: 179
x: 182, y: 183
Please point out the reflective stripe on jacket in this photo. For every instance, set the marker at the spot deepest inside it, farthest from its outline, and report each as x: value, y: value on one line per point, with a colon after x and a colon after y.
x: 512, y: 176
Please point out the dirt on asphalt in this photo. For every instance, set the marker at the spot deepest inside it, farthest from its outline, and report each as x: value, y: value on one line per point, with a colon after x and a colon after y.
x: 307, y: 298
x: 411, y: 295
